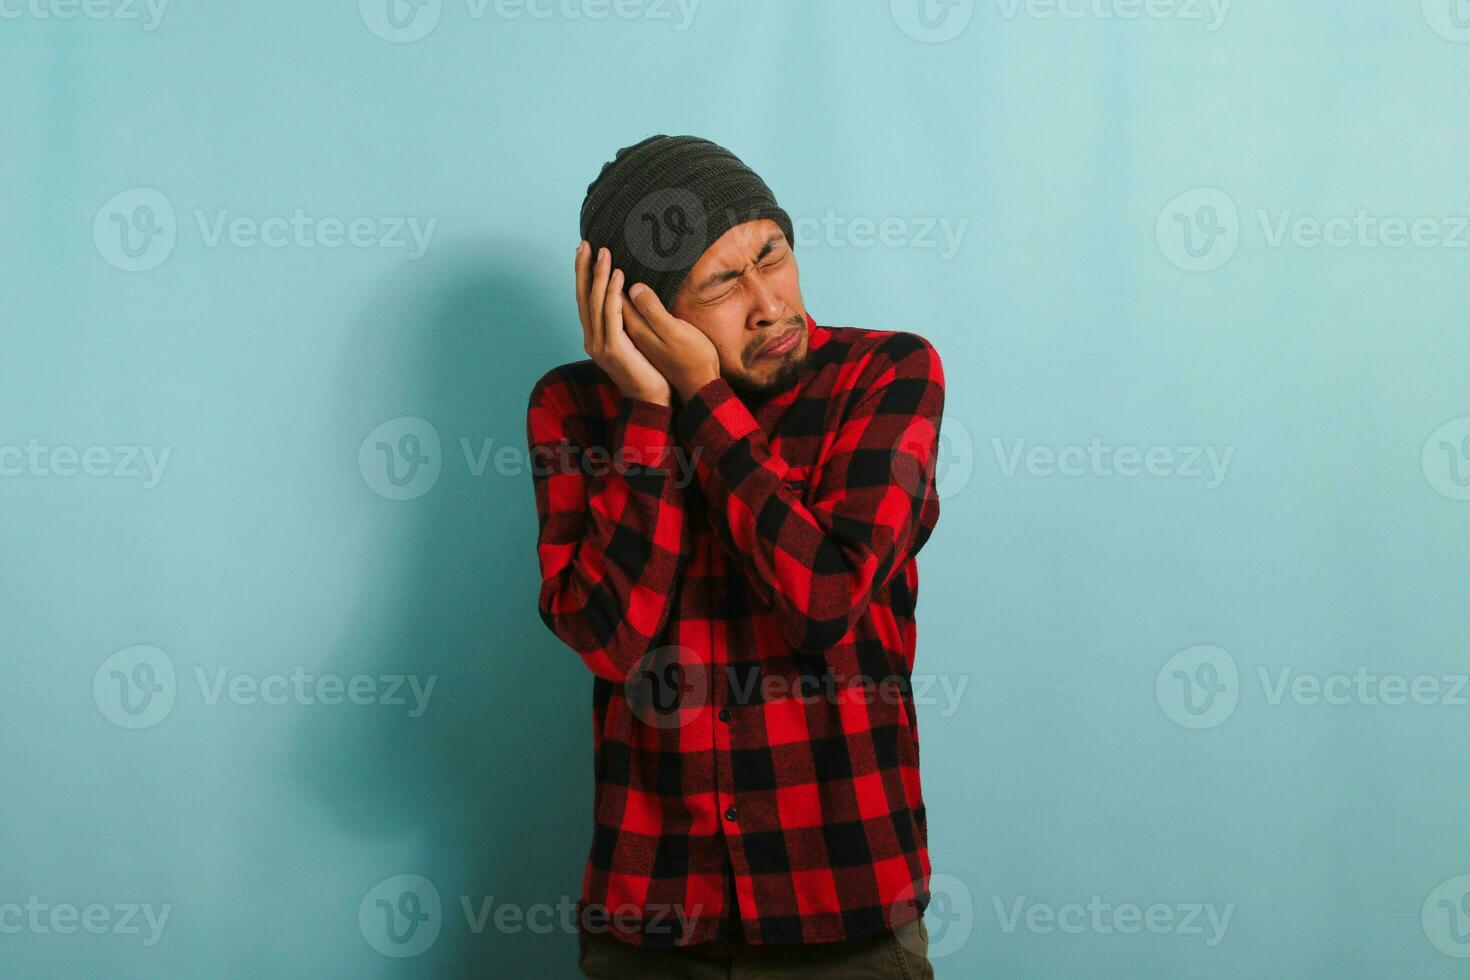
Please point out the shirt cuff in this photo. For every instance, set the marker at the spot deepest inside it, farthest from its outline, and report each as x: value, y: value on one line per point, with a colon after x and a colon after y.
x: 714, y: 419
x: 645, y: 434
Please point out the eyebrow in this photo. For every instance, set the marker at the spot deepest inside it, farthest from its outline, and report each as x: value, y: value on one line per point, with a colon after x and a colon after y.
x: 728, y: 274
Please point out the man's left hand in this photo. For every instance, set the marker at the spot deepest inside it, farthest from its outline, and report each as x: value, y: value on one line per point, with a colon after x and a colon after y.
x: 680, y: 351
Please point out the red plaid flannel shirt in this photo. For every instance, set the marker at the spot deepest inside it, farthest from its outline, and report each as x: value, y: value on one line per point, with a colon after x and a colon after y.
x: 750, y: 629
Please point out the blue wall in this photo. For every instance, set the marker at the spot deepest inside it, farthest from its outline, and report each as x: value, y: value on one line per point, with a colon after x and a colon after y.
x: 1194, y: 619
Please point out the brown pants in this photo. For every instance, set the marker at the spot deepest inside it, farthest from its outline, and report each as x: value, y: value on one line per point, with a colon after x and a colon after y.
x: 899, y: 955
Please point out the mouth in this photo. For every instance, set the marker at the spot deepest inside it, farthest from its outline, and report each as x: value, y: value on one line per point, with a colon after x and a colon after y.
x: 782, y: 344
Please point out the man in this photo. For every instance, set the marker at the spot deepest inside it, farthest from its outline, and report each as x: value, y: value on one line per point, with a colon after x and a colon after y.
x: 730, y: 500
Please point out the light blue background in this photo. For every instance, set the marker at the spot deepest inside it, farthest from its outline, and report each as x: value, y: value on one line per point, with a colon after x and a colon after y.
x: 1334, y: 542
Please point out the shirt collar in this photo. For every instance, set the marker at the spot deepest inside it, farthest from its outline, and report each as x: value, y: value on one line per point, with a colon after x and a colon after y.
x: 817, y: 335
x: 772, y: 405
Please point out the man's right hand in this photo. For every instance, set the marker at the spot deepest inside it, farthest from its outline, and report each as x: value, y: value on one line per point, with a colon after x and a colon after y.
x: 600, y: 305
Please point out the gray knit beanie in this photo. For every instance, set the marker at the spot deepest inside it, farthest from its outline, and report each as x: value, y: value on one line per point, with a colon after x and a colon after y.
x: 660, y: 203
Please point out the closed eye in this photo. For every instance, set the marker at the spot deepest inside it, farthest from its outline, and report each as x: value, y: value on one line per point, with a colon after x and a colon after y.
x: 736, y: 282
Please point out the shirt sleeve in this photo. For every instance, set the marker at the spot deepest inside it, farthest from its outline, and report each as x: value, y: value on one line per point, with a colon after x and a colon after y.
x: 818, y: 564
x: 611, y: 527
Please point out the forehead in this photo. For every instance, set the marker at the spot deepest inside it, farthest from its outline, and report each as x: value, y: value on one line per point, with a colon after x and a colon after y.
x: 736, y: 246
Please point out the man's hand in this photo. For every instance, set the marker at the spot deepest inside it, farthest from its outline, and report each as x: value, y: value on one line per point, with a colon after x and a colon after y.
x: 680, y: 351
x: 600, y: 306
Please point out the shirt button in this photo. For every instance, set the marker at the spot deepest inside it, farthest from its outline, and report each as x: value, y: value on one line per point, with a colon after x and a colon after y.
x: 724, y: 714
x: 731, y: 813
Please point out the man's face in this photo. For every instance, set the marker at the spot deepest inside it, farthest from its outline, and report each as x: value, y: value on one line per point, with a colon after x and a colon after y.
x: 743, y: 294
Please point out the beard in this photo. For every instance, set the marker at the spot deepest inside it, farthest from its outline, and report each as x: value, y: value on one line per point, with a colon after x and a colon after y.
x: 781, y: 379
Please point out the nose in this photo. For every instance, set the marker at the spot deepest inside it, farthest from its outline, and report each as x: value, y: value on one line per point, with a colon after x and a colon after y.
x: 769, y: 307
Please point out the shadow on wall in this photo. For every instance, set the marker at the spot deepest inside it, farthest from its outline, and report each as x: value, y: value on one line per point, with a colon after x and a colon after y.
x: 494, y: 779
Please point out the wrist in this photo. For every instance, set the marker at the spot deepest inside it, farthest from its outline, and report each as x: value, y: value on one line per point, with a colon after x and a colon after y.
x: 663, y: 398
x: 690, y: 388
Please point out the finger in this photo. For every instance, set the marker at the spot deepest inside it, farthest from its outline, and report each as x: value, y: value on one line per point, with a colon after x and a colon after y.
x: 636, y: 327
x: 583, y: 274
x: 599, y: 290
x: 612, y: 307
x: 646, y: 302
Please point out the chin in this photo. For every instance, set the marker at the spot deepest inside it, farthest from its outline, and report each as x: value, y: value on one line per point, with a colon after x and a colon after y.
x: 781, y: 377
